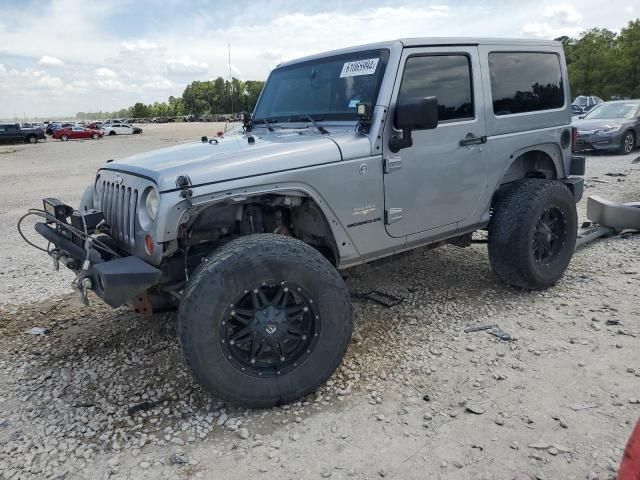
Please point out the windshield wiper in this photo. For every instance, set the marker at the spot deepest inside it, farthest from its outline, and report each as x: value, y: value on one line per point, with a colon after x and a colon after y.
x: 299, y: 118
x: 267, y: 121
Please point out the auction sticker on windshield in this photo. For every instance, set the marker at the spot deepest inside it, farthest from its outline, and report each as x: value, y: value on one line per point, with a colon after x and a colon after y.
x: 359, y: 67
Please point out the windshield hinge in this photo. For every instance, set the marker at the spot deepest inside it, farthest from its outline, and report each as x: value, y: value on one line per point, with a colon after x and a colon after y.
x: 392, y: 215
x: 392, y: 163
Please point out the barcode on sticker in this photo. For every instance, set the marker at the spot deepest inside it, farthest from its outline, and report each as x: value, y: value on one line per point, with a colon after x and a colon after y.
x: 359, y: 67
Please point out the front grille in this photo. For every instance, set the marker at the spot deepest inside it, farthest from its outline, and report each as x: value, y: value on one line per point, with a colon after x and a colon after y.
x: 119, y: 207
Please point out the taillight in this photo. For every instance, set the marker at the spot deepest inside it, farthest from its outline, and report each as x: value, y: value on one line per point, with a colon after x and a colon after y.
x: 574, y: 138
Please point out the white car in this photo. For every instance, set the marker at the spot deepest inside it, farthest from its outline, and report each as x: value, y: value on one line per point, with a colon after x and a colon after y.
x: 119, y: 129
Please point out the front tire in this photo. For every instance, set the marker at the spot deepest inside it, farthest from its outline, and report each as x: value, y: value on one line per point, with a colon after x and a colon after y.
x: 111, y: 133
x: 628, y: 142
x: 264, y: 320
x: 64, y: 138
x: 532, y: 233
x: 95, y: 136
x: 32, y: 139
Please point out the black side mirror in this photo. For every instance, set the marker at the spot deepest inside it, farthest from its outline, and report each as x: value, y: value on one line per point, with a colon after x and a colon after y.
x: 413, y: 114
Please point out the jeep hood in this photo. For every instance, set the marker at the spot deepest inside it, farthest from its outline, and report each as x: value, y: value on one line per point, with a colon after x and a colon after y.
x: 234, y: 157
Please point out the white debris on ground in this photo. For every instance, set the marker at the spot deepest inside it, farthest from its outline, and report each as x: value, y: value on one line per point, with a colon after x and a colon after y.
x: 105, y: 394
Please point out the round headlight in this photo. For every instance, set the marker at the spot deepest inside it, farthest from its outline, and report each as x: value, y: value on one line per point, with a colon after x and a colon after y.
x: 151, y: 204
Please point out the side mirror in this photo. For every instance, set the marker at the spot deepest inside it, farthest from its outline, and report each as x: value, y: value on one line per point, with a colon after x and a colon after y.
x: 419, y: 113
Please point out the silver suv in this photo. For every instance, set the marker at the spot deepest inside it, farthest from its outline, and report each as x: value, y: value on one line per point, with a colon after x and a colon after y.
x: 348, y: 157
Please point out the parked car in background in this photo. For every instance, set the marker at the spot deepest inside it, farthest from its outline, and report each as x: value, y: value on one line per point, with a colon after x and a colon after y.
x: 610, y: 126
x: 95, y: 125
x: 75, y: 133
x: 53, y: 127
x: 586, y: 102
x: 119, y: 129
x: 13, y: 132
x: 576, y: 110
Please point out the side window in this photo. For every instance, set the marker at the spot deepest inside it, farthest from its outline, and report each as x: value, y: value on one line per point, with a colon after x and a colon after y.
x: 446, y: 77
x: 525, y: 82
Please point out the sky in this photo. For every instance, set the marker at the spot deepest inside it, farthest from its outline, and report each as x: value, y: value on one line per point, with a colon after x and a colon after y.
x: 62, y: 57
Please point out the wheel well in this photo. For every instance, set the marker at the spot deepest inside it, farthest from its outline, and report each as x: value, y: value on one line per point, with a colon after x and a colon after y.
x: 531, y: 164
x: 294, y: 215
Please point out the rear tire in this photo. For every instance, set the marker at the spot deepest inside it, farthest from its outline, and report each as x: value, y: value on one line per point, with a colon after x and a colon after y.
x: 532, y: 233
x: 256, y: 284
x: 628, y: 143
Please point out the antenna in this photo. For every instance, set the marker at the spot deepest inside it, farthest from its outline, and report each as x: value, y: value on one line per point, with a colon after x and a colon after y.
x: 230, y: 77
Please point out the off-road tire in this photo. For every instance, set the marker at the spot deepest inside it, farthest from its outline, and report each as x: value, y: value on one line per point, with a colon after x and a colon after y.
x: 516, y: 213
x: 226, y: 274
x: 628, y: 142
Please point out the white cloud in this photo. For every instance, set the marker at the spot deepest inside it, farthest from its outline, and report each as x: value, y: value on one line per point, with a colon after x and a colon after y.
x: 50, y: 61
x: 562, y: 13
x: 110, y: 85
x: 185, y: 65
x: 548, y: 31
x: 138, y: 45
x: 106, y: 73
x: 159, y: 83
x: 106, y: 66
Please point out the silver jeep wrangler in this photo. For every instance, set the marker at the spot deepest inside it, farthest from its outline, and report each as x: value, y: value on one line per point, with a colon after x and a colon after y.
x: 349, y: 156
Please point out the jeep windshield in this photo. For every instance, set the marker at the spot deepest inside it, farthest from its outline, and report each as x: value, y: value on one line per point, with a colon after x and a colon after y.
x: 324, y: 89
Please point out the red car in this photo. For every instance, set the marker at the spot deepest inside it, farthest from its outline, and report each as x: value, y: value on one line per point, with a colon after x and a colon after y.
x: 72, y: 133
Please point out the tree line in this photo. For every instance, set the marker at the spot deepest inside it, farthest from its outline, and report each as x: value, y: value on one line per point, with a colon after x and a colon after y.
x: 600, y: 62
x: 208, y: 97
x: 605, y: 63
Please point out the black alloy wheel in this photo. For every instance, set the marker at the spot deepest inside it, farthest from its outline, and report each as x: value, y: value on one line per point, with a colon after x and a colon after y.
x: 270, y: 328
x: 549, y: 235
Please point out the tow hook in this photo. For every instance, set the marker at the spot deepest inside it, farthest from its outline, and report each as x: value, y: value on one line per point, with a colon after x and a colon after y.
x: 56, y: 261
x: 82, y: 290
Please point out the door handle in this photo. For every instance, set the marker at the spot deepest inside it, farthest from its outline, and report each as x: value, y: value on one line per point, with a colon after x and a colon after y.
x: 469, y: 139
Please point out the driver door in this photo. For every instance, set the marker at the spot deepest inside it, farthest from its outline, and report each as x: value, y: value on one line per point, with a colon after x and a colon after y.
x: 437, y: 182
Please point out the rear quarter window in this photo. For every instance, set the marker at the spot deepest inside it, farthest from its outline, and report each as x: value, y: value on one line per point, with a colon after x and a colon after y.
x: 525, y: 82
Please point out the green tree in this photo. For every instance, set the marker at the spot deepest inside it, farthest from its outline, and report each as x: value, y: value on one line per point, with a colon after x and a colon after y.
x: 629, y: 64
x: 593, y: 63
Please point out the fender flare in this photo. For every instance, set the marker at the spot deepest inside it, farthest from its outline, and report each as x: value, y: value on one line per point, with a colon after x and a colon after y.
x: 343, y: 242
x: 551, y: 150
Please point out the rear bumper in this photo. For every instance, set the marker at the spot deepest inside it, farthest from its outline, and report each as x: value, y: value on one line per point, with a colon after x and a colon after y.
x: 115, y: 281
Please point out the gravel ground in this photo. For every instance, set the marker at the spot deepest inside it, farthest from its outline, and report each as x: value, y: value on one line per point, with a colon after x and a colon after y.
x: 105, y: 393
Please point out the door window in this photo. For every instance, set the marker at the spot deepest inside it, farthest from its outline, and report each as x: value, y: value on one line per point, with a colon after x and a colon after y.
x: 446, y: 77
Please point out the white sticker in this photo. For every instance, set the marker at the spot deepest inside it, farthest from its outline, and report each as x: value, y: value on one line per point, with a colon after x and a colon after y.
x: 354, y: 103
x: 359, y: 67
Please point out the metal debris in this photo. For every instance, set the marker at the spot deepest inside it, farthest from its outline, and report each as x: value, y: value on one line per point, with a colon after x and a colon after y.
x: 501, y: 334
x: 378, y: 297
x: 41, y: 331
x: 480, y: 328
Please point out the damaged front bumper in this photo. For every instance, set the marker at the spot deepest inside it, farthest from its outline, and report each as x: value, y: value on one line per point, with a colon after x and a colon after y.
x: 115, y: 280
